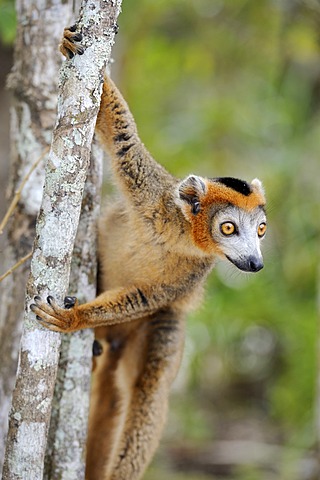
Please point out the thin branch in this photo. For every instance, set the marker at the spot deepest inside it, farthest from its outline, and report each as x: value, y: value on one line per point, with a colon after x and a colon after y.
x: 17, y: 195
x: 20, y: 262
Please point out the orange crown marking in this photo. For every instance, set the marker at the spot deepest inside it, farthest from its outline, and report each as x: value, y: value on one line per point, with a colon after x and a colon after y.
x: 219, y: 193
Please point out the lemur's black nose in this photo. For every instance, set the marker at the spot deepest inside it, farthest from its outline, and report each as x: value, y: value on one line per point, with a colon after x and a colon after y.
x: 255, y: 264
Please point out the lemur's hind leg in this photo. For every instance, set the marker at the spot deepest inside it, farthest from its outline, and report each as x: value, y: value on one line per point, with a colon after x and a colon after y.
x: 105, y: 410
x: 148, y: 407
x: 116, y: 372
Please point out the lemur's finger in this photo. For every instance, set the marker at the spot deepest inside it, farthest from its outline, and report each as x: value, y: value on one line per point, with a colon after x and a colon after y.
x: 69, y: 46
x: 49, y: 320
x: 49, y: 309
x: 48, y: 325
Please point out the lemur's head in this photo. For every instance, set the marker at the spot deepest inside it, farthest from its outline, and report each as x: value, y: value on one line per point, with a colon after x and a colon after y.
x: 227, y: 218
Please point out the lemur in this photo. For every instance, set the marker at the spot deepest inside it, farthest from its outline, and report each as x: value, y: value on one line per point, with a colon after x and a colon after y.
x: 157, y: 243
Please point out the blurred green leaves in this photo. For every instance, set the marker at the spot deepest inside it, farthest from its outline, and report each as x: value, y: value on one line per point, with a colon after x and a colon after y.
x: 233, y: 88
x: 7, y: 21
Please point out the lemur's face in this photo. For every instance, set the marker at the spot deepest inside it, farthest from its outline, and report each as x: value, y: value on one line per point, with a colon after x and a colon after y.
x: 238, y: 233
x: 227, y: 218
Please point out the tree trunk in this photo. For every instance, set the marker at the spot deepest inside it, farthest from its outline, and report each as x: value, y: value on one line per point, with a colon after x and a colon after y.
x: 34, y: 82
x: 56, y: 230
x: 65, y: 457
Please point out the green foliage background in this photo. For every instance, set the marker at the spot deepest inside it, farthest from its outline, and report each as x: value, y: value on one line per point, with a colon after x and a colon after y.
x: 221, y: 87
x: 232, y: 88
x: 7, y: 22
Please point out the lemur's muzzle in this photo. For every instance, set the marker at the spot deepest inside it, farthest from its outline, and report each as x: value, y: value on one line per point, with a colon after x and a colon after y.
x: 250, y: 264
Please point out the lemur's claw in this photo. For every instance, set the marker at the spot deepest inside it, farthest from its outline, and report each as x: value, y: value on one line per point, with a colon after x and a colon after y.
x: 69, y: 47
x: 49, y: 299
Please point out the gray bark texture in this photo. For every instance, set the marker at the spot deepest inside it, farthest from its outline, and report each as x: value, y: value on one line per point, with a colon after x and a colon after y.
x: 66, y: 169
x: 34, y: 84
x: 65, y: 456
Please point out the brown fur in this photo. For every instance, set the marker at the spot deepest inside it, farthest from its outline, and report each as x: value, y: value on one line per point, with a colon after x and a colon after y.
x: 156, y: 249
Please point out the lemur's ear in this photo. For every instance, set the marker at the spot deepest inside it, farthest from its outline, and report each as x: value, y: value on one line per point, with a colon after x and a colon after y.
x: 190, y: 191
x: 257, y: 186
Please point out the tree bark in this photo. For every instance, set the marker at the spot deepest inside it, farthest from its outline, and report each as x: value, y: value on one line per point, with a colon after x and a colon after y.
x: 33, y: 82
x: 65, y: 456
x: 55, y: 234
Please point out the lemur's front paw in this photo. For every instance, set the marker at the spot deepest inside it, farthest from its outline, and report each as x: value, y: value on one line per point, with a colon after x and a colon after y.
x: 55, y: 318
x: 69, y: 45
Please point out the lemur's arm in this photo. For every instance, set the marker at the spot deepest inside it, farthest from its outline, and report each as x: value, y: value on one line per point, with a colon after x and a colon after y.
x: 144, y: 180
x: 142, y: 177
x: 111, y: 307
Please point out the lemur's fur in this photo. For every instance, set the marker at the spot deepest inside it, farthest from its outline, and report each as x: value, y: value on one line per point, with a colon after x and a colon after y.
x: 157, y: 244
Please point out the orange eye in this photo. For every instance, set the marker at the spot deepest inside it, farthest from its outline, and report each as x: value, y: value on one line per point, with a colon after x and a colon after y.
x: 227, y: 228
x: 262, y: 229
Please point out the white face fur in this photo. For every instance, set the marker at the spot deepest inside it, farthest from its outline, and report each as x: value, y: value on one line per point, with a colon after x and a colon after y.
x: 238, y: 234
